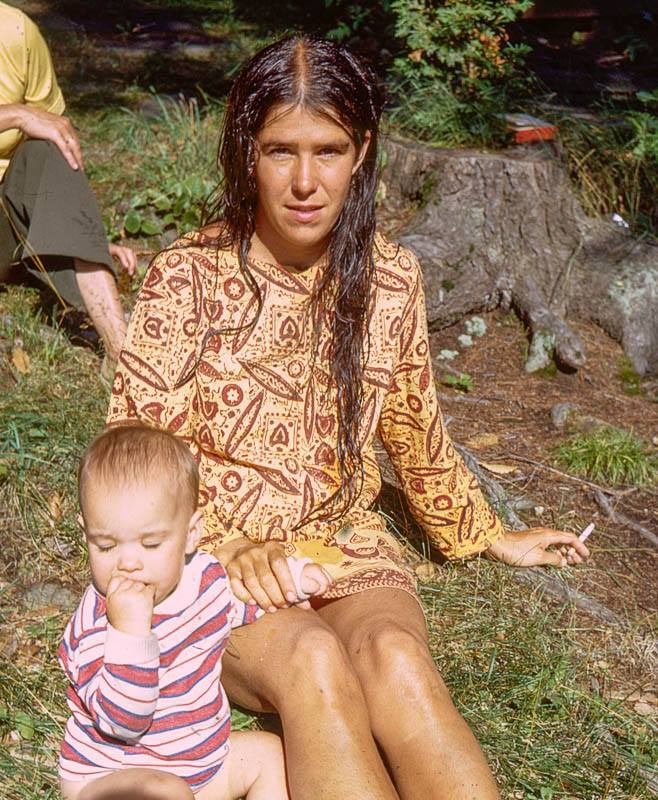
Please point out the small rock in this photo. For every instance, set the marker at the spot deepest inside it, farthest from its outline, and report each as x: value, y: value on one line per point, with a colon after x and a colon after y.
x: 448, y: 355
x: 49, y: 594
x: 523, y: 504
x: 568, y: 417
x: 560, y: 414
x: 475, y: 326
x: 538, y: 510
x: 465, y: 340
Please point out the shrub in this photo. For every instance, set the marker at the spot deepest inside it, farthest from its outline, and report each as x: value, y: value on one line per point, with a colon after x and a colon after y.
x: 457, y: 70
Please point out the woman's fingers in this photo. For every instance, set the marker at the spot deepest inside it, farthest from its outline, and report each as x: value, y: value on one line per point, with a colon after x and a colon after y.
x: 279, y: 565
x: 237, y: 586
x: 570, y: 540
x: 270, y: 584
x: 258, y: 592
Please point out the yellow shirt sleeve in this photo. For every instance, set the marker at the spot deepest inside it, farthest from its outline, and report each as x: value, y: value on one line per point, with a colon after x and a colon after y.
x: 443, y: 495
x: 41, y: 87
x: 27, y: 75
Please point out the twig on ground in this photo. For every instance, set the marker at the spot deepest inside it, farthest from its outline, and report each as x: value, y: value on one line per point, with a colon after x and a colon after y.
x: 622, y: 519
x: 541, y: 465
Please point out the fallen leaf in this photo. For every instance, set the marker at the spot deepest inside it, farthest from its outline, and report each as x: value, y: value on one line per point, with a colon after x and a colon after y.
x: 483, y: 440
x: 645, y: 709
x: 20, y: 360
x: 416, y: 55
x: 425, y: 572
x: 498, y: 469
x: 55, y: 507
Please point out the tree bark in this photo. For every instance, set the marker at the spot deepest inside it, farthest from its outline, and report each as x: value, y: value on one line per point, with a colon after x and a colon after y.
x: 505, y: 229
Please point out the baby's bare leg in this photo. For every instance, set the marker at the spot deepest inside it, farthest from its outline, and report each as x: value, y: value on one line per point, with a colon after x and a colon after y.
x: 129, y: 784
x: 253, y: 769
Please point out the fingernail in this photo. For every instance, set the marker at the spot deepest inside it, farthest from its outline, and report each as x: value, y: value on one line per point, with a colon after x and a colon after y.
x: 290, y: 597
x: 271, y: 609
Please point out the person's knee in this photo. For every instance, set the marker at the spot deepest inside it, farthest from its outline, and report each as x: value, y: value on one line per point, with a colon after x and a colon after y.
x: 319, y: 664
x: 387, y: 651
x: 36, y: 151
x: 157, y: 785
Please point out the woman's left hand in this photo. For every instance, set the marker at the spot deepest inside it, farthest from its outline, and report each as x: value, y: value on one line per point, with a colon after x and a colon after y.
x: 530, y: 548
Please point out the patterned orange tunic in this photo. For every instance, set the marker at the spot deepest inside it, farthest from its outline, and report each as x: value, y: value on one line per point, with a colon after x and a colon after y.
x: 258, y: 410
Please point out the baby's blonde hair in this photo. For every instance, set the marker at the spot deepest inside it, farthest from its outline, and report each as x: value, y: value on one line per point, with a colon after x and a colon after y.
x: 136, y: 454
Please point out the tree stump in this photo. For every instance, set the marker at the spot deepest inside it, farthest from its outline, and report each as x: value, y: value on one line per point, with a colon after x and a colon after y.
x: 505, y: 229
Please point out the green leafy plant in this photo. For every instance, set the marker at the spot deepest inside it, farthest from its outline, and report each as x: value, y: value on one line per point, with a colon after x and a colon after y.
x: 457, y: 69
x: 177, y: 150
x: 609, y: 455
x: 463, y: 382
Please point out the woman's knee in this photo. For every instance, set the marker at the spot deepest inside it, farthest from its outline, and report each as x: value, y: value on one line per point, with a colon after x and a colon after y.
x: 385, y: 650
x: 319, y: 663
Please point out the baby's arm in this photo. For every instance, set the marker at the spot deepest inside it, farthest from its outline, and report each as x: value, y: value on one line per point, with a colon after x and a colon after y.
x: 117, y: 678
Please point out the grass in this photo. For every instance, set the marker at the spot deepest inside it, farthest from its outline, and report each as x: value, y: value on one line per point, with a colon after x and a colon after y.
x: 610, y: 456
x: 169, y: 156
x: 518, y: 669
x: 612, y: 163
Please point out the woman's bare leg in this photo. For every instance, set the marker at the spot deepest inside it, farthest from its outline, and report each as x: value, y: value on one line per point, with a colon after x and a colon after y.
x: 129, y: 784
x: 430, y: 749
x: 101, y: 298
x: 292, y: 662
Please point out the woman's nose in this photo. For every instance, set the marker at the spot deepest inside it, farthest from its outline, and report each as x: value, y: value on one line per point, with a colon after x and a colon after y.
x: 304, y: 181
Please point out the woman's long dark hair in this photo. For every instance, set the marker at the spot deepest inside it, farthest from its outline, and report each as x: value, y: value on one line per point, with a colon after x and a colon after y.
x: 327, y: 79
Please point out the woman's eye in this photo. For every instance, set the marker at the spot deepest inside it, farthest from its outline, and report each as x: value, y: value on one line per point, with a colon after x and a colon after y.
x: 152, y: 545
x: 105, y: 548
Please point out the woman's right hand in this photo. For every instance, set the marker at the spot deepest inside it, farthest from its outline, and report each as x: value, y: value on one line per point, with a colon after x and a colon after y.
x: 259, y: 574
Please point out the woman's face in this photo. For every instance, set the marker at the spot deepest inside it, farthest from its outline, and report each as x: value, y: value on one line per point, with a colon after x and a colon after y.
x: 304, y: 165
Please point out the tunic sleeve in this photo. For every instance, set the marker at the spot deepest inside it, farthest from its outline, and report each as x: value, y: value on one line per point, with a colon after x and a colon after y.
x: 443, y: 495
x: 154, y: 382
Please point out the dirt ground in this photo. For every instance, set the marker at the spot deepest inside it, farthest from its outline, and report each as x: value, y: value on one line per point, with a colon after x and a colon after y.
x: 506, y: 418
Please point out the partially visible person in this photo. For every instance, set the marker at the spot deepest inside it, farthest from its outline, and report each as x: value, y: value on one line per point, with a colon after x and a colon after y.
x: 278, y: 342
x: 50, y: 223
x: 149, y: 716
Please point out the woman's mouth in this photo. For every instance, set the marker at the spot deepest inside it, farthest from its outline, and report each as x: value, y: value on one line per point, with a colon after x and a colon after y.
x: 304, y: 214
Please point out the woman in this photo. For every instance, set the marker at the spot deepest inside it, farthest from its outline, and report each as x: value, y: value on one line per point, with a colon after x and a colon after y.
x: 277, y: 342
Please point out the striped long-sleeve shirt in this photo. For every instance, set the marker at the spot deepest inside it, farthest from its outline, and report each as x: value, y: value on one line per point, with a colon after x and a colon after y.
x: 153, y: 701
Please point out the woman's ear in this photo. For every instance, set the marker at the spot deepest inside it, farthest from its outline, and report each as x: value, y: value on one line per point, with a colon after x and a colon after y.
x: 194, y: 531
x: 362, y: 152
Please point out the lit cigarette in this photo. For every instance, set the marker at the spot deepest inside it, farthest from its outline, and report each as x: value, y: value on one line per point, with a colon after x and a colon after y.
x: 586, y: 532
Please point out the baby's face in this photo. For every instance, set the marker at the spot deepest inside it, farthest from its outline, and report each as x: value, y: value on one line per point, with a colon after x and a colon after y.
x: 139, y: 532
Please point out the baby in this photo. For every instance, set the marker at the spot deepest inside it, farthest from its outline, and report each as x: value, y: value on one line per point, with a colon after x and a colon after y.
x: 149, y: 717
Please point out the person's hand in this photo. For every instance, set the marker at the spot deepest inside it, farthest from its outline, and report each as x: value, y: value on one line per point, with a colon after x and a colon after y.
x: 36, y: 123
x: 530, y: 548
x: 125, y: 256
x: 259, y: 574
x: 315, y: 580
x: 130, y: 605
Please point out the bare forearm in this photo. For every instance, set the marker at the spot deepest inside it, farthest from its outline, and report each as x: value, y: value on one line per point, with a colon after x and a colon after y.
x: 12, y: 115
